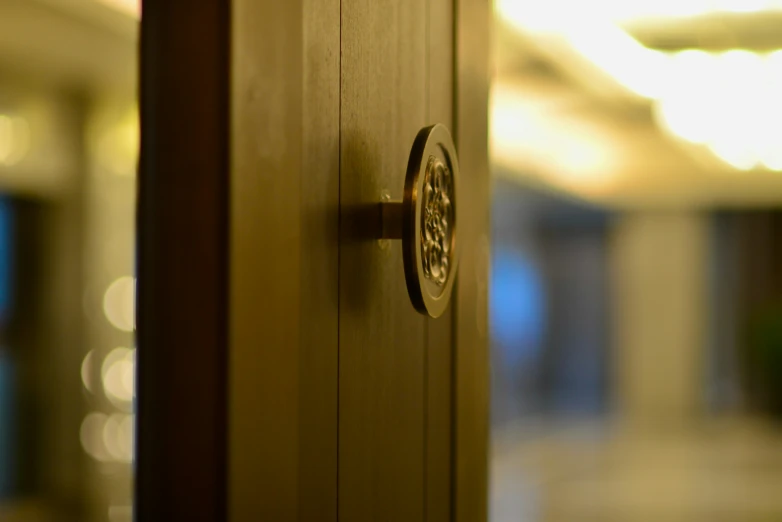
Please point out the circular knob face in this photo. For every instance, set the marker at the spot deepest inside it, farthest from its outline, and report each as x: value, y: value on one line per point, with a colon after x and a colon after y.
x: 429, y: 220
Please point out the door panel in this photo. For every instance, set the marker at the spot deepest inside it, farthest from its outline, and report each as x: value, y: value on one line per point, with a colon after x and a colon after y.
x: 282, y: 371
x: 381, y: 336
x: 320, y: 394
x: 395, y: 366
x: 471, y: 361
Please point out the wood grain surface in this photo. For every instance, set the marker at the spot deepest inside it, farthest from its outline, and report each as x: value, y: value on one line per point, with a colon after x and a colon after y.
x: 382, y: 349
x: 284, y: 252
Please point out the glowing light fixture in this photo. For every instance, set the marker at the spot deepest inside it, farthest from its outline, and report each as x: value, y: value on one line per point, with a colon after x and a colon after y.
x: 630, y: 10
x: 687, y: 108
x: 636, y: 67
x: 729, y: 101
x: 595, y: 37
x: 577, y: 155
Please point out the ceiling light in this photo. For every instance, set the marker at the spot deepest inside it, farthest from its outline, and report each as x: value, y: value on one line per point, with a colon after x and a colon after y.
x: 570, y: 152
x: 627, y: 10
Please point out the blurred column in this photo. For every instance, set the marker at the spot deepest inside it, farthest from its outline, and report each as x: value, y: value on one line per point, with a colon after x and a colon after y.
x: 659, y: 263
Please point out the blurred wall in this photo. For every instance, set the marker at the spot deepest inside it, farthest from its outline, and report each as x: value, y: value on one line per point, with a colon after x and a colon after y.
x: 659, y: 266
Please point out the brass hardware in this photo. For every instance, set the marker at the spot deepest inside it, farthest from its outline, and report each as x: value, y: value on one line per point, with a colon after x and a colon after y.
x: 425, y: 220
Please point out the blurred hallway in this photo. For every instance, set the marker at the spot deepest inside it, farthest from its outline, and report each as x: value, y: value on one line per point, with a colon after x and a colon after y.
x: 720, y: 470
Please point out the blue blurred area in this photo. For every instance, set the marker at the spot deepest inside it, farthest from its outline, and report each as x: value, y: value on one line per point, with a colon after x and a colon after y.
x: 548, y: 305
x: 7, y: 371
x: 6, y: 258
x: 517, y: 305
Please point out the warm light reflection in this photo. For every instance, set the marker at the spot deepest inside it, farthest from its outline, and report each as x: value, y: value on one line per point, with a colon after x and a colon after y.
x: 571, y: 152
x: 108, y: 437
x: 129, y: 7
x: 744, y: 6
x: 120, y: 513
x: 628, y: 10
x: 125, y: 437
x: 728, y: 101
x: 86, y: 371
x: 6, y: 138
x: 117, y: 373
x: 118, y: 146
x: 637, y: 68
x: 687, y: 108
x: 117, y: 437
x: 771, y: 147
x: 91, y: 436
x: 14, y: 139
x: 119, y: 303
x: 596, y: 38
x: 737, y: 154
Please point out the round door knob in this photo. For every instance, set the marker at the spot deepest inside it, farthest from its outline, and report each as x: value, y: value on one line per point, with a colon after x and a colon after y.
x: 425, y: 220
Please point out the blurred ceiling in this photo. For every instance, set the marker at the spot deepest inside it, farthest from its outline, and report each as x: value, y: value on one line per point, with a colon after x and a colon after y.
x: 81, y: 44
x: 628, y: 104
x: 56, y: 58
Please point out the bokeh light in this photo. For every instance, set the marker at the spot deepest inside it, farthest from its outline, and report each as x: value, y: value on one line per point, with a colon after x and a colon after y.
x: 119, y: 303
x: 125, y: 437
x: 117, y: 373
x: 86, y: 371
x: 14, y: 139
x: 118, y: 146
x: 118, y: 436
x: 91, y: 436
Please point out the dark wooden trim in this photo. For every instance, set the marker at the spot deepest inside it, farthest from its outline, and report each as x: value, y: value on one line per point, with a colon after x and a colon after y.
x: 471, y: 380
x: 182, y: 261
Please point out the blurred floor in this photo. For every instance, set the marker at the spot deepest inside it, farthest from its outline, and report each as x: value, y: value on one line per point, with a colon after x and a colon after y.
x: 726, y: 470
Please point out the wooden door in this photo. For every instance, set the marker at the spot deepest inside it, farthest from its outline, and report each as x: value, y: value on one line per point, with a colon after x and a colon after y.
x: 283, y: 372
x: 395, y: 365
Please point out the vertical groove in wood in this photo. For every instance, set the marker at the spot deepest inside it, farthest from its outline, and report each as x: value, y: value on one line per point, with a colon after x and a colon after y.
x: 319, y: 242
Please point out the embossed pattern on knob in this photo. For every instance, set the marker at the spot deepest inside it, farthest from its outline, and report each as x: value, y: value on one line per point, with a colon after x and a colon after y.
x: 426, y: 220
x: 437, y: 216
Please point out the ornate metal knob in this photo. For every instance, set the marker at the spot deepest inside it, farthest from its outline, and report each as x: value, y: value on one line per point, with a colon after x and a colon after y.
x: 425, y: 220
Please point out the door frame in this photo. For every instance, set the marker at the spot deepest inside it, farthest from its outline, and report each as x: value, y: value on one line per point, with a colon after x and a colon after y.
x: 214, y: 359
x: 473, y: 21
